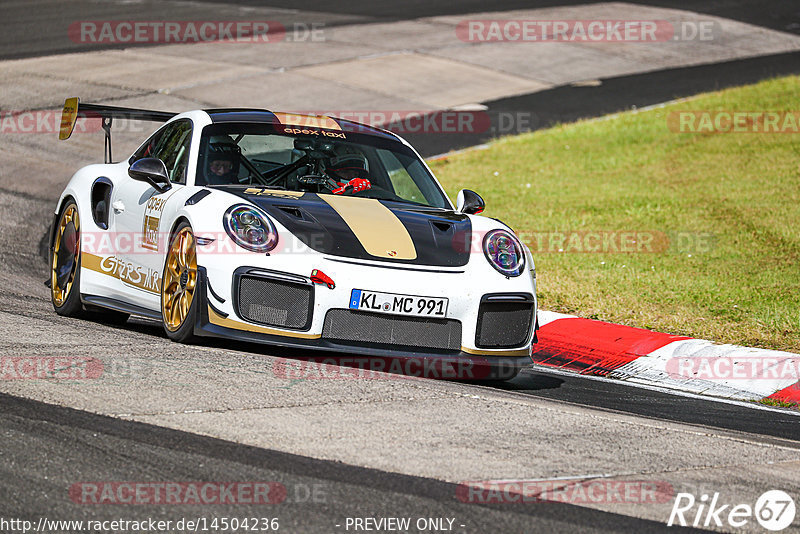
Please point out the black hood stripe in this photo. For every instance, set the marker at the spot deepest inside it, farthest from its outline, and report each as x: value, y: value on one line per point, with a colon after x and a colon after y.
x: 439, y: 237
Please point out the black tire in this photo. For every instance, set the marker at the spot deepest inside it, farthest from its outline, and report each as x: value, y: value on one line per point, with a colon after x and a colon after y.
x: 65, y: 263
x: 184, y: 332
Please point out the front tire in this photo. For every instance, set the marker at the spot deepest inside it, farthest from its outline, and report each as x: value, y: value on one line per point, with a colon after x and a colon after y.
x: 178, y: 285
x: 65, y: 263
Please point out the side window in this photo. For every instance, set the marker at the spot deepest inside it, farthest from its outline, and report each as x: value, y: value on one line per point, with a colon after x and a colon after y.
x: 171, y: 145
x: 147, y: 149
x: 173, y: 150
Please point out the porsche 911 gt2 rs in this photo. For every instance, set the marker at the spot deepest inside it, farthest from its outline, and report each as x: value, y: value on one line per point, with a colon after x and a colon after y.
x: 293, y: 230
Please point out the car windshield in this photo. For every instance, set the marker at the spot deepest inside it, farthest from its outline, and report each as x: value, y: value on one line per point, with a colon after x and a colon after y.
x: 315, y: 160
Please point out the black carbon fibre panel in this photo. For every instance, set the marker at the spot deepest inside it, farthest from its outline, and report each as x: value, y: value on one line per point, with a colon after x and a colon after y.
x: 350, y: 325
x: 504, y: 324
x: 273, y: 302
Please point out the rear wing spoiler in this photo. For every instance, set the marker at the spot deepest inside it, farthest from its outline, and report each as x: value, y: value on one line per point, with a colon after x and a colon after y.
x: 74, y: 109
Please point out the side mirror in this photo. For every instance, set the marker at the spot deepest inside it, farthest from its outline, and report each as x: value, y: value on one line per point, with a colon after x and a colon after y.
x: 153, y: 171
x: 469, y: 202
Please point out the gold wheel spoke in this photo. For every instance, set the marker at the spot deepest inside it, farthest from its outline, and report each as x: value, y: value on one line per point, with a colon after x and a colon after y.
x: 184, y: 307
x: 191, y: 259
x: 192, y: 280
x: 172, y: 298
x: 173, y: 270
x: 176, y: 251
x: 58, y: 293
x: 174, y: 318
x: 182, y: 254
x: 177, y: 297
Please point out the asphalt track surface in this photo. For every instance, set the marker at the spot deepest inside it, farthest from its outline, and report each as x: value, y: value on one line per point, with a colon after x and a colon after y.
x: 569, y: 103
x: 777, y: 14
x: 42, y: 30
x: 46, y: 447
x: 40, y: 26
x: 625, y: 398
x: 50, y: 447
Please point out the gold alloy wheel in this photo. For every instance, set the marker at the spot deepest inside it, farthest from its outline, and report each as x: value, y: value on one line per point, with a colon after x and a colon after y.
x: 66, y: 252
x: 180, y: 279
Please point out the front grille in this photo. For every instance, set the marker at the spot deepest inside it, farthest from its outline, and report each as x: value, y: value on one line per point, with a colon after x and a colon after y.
x: 275, y: 302
x: 503, y: 324
x: 414, y: 332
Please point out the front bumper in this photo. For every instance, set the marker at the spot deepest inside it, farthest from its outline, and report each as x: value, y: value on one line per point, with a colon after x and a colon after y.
x: 459, y: 365
x: 217, y: 316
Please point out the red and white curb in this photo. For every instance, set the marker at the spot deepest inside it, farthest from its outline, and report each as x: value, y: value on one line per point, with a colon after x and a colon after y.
x: 590, y: 347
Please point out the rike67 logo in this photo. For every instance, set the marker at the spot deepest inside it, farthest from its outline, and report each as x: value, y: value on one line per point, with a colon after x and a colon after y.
x: 774, y: 510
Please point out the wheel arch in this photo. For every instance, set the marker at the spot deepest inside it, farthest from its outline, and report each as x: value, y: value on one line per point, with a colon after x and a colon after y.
x: 62, y: 203
x: 175, y: 224
x: 185, y: 330
x: 70, y: 304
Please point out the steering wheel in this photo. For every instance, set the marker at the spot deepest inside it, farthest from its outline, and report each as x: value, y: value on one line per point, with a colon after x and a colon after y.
x: 337, y: 188
x: 317, y: 180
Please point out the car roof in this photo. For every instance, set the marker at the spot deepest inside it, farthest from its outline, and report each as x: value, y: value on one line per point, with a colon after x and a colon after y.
x: 294, y: 119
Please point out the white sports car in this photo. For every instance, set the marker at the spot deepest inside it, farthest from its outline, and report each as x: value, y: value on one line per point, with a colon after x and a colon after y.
x: 291, y: 230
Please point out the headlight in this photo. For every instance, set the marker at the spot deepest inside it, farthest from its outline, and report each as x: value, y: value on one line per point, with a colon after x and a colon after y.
x: 250, y: 228
x: 504, y: 252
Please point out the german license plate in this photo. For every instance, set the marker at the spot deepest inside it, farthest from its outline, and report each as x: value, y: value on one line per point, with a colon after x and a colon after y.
x: 393, y: 303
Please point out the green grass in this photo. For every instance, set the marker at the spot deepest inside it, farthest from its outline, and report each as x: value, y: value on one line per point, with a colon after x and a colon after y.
x: 778, y: 403
x: 729, y: 205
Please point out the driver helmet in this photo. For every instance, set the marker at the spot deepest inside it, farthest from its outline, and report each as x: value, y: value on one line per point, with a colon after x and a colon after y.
x: 222, y: 163
x: 349, y: 166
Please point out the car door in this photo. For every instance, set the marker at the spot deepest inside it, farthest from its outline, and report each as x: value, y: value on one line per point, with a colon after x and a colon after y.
x: 138, y: 209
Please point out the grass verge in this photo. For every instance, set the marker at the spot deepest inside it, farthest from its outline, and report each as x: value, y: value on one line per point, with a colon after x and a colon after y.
x: 715, y: 217
x: 778, y: 403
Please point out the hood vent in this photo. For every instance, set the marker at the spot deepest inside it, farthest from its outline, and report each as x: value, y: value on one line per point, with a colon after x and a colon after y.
x: 291, y: 210
x: 442, y: 226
